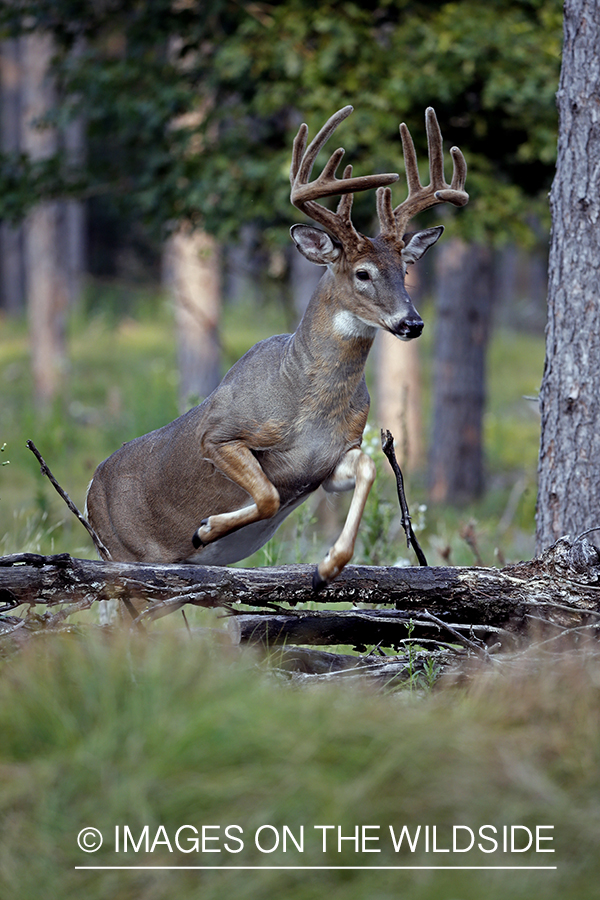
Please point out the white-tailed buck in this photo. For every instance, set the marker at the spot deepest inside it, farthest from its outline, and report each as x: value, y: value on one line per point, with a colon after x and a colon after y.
x: 213, y: 486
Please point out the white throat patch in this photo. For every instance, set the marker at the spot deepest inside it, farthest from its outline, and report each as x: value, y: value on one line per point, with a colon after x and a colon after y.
x: 347, y: 325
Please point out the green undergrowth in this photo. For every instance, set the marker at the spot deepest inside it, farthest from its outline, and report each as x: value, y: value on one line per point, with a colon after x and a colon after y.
x: 108, y: 731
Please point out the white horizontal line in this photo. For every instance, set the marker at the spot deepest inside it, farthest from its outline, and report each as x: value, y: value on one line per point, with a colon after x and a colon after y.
x: 330, y: 868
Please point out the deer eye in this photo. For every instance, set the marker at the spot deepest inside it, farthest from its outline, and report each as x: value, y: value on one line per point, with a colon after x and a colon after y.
x: 362, y: 275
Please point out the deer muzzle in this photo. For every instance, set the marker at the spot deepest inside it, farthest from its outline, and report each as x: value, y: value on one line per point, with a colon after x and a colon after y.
x: 408, y: 328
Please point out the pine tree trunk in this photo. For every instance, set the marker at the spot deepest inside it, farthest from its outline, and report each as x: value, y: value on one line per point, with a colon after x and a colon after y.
x: 12, y: 267
x: 47, y: 288
x: 74, y: 216
x: 569, y: 461
x: 191, y: 273
x: 399, y: 397
x: 464, y: 310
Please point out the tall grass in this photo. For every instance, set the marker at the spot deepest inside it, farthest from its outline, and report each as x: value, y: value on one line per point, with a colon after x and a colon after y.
x: 108, y: 732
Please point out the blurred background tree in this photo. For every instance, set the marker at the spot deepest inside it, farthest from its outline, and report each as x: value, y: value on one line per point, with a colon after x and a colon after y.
x: 189, y: 110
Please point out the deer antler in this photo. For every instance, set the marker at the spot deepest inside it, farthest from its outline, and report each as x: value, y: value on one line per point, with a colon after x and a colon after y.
x: 394, y: 221
x: 305, y: 193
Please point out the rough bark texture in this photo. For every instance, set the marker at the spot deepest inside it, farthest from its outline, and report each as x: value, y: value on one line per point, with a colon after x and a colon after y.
x: 463, y: 315
x: 309, y: 665
x: 569, y: 475
x: 563, y: 584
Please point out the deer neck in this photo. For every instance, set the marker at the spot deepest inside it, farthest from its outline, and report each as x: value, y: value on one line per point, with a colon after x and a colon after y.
x: 332, y: 345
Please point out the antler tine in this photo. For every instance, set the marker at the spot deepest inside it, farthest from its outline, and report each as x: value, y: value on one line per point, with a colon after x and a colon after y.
x: 459, y: 173
x: 344, y: 207
x: 410, y: 160
x: 453, y: 193
x: 438, y: 191
x: 298, y: 151
x: 435, y: 148
x: 319, y: 141
x: 385, y: 211
x: 305, y: 193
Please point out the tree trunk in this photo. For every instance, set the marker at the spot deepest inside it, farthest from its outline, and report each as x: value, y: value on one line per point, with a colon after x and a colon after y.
x: 12, y: 266
x: 569, y: 460
x: 47, y: 287
x: 191, y: 273
x: 399, y: 393
x: 399, y: 397
x: 74, y: 216
x: 463, y: 318
x: 47, y: 296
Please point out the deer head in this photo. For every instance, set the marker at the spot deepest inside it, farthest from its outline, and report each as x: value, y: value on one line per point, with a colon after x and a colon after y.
x: 371, y: 271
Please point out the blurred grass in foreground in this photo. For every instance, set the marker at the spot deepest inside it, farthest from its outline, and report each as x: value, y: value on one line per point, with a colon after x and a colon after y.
x: 105, y: 730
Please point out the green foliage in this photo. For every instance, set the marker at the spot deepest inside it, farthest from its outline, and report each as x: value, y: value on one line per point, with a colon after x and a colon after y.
x: 191, y: 108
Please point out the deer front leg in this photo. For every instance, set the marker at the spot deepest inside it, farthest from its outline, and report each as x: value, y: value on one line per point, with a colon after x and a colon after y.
x: 237, y: 462
x: 355, y: 470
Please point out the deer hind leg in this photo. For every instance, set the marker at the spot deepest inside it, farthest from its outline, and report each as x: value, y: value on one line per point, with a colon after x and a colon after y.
x: 237, y: 462
x: 355, y: 470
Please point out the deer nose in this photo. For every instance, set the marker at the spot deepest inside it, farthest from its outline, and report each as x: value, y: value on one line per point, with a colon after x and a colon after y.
x: 407, y: 329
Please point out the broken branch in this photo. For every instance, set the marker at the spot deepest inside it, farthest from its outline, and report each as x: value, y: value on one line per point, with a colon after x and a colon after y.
x: 102, y: 550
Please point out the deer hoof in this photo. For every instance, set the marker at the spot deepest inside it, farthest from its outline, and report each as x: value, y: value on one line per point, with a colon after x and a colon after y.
x: 197, y: 542
x: 318, y: 582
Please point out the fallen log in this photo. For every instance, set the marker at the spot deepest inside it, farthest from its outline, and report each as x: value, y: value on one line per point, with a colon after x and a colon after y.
x: 358, y: 628
x: 303, y: 664
x: 562, y: 587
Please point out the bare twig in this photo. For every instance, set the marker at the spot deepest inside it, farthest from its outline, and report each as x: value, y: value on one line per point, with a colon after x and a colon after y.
x: 459, y: 637
x: 102, y: 550
x: 547, y: 604
x: 567, y: 633
x: 387, y: 445
x: 160, y: 609
x: 585, y: 533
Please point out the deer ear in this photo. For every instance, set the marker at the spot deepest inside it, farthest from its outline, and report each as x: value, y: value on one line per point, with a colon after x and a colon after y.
x: 316, y: 245
x: 416, y: 243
